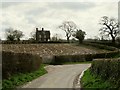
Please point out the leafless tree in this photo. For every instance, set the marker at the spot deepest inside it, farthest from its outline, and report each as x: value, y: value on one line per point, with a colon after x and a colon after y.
x: 55, y: 37
x: 18, y: 34
x: 33, y: 36
x: 69, y: 27
x: 110, y: 27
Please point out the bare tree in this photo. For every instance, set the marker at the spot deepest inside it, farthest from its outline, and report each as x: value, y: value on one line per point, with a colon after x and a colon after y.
x: 55, y: 37
x: 110, y: 27
x: 69, y: 27
x: 18, y: 34
x: 33, y: 36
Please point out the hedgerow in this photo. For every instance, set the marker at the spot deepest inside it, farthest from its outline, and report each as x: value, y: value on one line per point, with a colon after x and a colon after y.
x: 13, y: 63
x: 60, y: 59
x: 107, y: 69
x: 101, y: 46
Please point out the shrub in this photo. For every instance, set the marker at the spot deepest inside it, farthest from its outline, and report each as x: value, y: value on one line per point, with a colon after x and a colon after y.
x: 107, y: 69
x: 13, y: 63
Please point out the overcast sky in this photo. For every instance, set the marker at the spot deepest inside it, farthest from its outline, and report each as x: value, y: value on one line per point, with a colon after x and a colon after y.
x: 26, y: 16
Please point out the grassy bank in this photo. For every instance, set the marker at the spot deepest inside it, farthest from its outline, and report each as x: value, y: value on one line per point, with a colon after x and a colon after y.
x: 92, y: 81
x: 117, y: 56
x: 20, y: 79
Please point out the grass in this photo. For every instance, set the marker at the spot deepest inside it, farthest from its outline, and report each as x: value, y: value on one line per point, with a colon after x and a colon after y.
x: 22, y: 78
x: 117, y: 56
x: 91, y: 81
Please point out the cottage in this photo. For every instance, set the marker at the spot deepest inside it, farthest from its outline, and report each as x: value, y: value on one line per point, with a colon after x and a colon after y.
x: 42, y: 35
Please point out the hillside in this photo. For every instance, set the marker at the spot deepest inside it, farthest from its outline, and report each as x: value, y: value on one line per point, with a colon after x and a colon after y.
x: 50, y: 49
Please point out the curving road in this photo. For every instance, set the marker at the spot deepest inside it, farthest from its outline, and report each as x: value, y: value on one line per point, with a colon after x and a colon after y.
x: 58, y: 76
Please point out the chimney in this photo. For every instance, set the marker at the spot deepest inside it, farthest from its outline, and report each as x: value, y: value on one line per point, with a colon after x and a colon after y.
x: 36, y: 29
x: 42, y: 29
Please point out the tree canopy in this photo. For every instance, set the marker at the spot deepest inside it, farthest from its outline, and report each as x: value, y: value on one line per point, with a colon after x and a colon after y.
x: 110, y: 27
x: 80, y: 35
x: 69, y: 27
x: 12, y: 34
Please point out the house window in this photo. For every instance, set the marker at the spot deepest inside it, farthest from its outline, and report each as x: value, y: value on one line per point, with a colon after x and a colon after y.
x: 44, y: 36
x: 39, y: 36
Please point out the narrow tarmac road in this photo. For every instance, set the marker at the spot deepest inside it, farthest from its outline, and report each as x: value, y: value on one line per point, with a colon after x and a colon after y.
x: 58, y: 76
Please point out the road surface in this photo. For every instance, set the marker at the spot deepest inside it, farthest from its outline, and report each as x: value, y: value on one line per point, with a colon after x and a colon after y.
x: 58, y: 76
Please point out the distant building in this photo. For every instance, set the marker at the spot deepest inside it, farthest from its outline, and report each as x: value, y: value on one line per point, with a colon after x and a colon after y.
x: 42, y: 35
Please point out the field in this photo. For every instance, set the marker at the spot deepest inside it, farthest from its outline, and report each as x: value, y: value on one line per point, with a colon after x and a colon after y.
x: 61, y: 53
x: 51, y: 49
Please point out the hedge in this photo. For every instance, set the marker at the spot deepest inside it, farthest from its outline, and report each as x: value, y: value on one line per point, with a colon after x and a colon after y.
x: 100, y: 46
x: 106, y: 42
x: 32, y: 42
x: 108, y: 54
x: 107, y: 69
x: 60, y: 59
x: 13, y: 63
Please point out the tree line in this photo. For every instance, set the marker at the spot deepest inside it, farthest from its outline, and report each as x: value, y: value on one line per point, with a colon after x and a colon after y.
x: 109, y: 28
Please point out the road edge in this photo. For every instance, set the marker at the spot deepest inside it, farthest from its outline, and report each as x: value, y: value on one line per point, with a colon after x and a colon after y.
x: 76, y: 83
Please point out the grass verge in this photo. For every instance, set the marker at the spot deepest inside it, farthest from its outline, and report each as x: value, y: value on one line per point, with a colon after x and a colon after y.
x: 117, y: 56
x: 22, y: 78
x: 91, y: 81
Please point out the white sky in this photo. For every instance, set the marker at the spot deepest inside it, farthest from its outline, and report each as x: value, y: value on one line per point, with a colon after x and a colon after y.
x: 26, y: 16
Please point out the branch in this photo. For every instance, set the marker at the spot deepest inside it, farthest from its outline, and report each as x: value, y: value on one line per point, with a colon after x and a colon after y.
x: 108, y: 27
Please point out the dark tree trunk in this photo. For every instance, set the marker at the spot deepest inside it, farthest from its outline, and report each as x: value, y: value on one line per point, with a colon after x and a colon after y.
x: 113, y: 40
x: 18, y: 39
x: 68, y: 39
x: 80, y: 41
